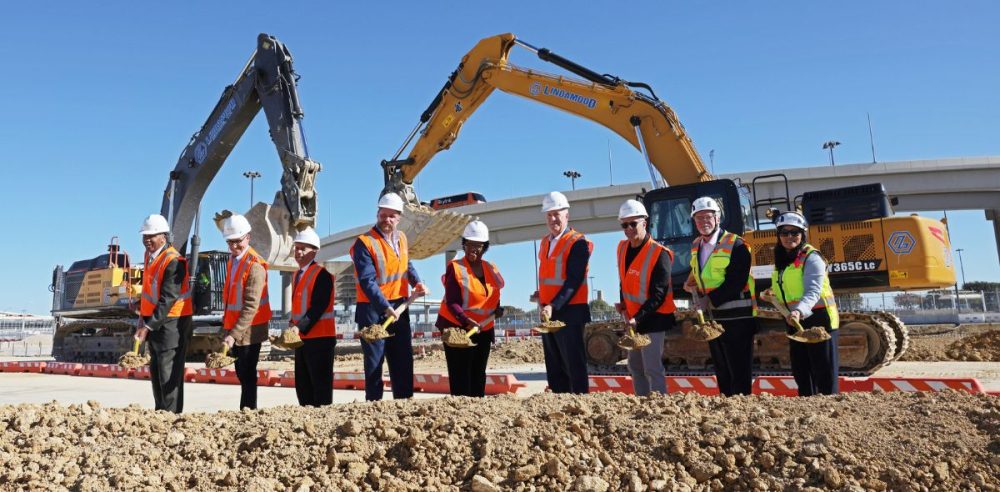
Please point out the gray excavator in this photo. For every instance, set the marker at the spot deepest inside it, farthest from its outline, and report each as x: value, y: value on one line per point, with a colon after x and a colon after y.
x: 94, y: 300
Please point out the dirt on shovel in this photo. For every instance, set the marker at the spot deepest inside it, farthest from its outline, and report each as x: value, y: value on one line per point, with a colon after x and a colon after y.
x: 218, y: 360
x: 133, y: 360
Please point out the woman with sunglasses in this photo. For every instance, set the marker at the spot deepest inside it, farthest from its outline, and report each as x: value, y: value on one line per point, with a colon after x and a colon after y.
x: 647, y: 297
x: 801, y: 283
x: 471, y: 300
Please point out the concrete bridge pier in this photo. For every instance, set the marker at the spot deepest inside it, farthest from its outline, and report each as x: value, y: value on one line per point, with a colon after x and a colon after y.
x: 994, y: 216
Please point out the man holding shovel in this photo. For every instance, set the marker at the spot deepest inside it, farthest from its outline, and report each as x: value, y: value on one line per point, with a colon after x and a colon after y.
x: 720, y: 281
x: 564, y: 260
x: 312, y: 319
x: 647, y: 298
x: 166, y: 310
x: 384, y: 276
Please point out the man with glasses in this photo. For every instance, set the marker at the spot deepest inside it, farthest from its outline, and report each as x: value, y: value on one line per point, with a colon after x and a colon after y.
x: 248, y: 310
x: 647, y: 297
x: 564, y: 260
x: 721, y: 284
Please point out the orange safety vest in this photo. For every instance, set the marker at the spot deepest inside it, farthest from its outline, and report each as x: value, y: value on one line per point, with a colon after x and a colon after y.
x: 152, y: 282
x: 552, y: 270
x: 635, y: 279
x: 390, y: 268
x: 302, y: 293
x: 478, y: 300
x: 232, y: 291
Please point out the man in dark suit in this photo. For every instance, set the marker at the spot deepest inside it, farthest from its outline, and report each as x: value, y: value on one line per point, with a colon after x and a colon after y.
x: 312, y: 318
x: 166, y: 310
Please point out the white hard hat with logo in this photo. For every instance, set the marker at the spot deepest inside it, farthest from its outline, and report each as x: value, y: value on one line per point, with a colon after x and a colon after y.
x: 793, y: 219
x: 391, y: 201
x: 705, y: 203
x: 554, y: 201
x: 476, y: 231
x: 235, y: 227
x: 154, y: 224
x: 308, y: 236
x: 632, y: 208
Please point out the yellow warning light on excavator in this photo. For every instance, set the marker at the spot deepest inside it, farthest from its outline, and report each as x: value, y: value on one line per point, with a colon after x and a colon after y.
x: 897, y: 275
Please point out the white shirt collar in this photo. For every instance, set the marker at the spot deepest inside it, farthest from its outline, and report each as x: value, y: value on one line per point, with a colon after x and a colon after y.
x: 157, y: 252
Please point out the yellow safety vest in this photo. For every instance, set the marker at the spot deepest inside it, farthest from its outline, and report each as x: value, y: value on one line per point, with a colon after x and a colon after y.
x: 714, y: 272
x: 788, y: 287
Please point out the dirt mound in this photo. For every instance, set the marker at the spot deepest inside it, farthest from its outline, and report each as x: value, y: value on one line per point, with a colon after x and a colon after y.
x: 893, y: 441
x: 984, y: 347
x: 956, y: 345
x: 518, y: 351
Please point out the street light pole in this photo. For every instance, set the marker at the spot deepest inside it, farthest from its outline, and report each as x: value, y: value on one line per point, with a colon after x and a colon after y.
x: 252, y: 175
x: 572, y: 175
x: 961, y: 264
x: 593, y: 290
x: 830, y: 144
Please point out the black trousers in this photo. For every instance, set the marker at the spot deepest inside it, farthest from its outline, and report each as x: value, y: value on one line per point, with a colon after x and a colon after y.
x: 314, y: 371
x: 467, y: 366
x: 732, y: 357
x: 166, y: 365
x: 815, y: 365
x: 566, y: 360
x: 397, y: 350
x: 246, y: 370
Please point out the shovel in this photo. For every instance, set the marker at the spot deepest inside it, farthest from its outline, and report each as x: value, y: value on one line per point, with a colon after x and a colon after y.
x: 288, y: 340
x: 218, y: 360
x: 549, y: 326
x: 378, y: 331
x: 633, y: 340
x: 813, y: 335
x: 132, y: 360
x: 458, y: 338
x: 704, y: 331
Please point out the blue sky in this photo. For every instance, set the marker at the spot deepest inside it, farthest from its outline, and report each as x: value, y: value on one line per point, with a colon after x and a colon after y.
x: 99, y: 100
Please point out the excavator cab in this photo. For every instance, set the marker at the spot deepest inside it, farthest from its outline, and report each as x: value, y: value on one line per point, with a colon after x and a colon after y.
x: 670, y: 218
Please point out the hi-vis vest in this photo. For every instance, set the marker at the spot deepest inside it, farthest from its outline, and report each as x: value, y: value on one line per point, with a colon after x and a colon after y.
x: 152, y: 282
x: 390, y: 268
x: 325, y: 326
x: 635, y: 277
x: 713, y: 274
x: 232, y: 291
x: 478, y: 300
x: 552, y: 269
x: 788, y: 287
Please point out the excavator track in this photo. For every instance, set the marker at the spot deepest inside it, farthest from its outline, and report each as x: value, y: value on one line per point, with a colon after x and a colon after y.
x: 429, y: 231
x: 901, y: 331
x: 93, y: 340
x: 867, y: 343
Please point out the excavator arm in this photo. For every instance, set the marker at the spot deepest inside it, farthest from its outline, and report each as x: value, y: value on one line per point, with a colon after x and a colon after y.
x: 267, y: 81
x: 641, y: 119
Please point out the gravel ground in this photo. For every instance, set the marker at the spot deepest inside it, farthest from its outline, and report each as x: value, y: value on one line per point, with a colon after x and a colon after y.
x: 879, y: 441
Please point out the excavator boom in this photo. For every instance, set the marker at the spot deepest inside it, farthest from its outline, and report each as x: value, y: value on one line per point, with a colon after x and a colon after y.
x: 643, y: 120
x: 267, y: 82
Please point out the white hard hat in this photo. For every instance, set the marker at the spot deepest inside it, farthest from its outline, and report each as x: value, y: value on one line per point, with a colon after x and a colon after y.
x: 793, y: 219
x: 308, y: 236
x: 632, y: 208
x: 705, y: 203
x: 554, y: 201
x: 154, y: 224
x: 391, y: 201
x: 235, y: 227
x: 476, y: 231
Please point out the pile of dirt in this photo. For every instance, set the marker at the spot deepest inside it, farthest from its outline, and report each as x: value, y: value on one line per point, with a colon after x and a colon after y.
x: 955, y: 345
x: 518, y: 351
x: 600, y: 442
x: 984, y: 347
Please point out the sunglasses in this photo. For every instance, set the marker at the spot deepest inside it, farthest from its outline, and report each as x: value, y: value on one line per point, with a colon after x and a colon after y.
x: 788, y: 232
x: 235, y: 241
x: 633, y: 224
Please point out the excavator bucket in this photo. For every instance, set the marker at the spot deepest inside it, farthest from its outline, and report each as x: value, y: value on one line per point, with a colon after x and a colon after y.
x: 429, y: 231
x: 272, y: 235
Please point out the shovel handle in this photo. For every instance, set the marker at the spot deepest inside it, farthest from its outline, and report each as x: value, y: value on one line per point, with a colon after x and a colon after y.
x: 135, y: 345
x: 701, y: 317
x: 471, y: 331
x: 388, y: 321
x: 225, y: 349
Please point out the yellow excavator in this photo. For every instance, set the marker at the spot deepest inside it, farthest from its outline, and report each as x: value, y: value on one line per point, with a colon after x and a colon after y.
x: 867, y: 248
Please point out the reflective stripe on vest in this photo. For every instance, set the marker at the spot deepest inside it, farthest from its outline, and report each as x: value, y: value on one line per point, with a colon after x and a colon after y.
x: 635, y: 282
x: 478, y: 300
x: 152, y: 280
x: 552, y: 269
x: 714, y: 272
x: 390, y: 267
x: 790, y: 287
x: 232, y: 291
x: 302, y: 291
